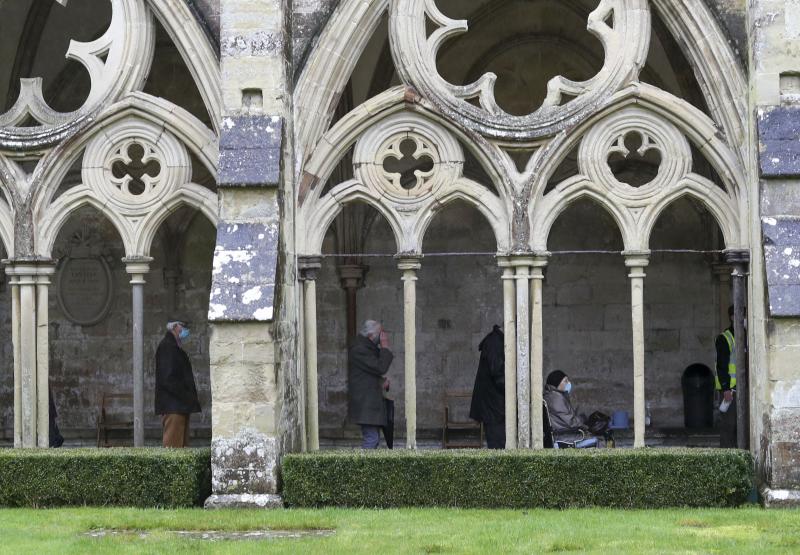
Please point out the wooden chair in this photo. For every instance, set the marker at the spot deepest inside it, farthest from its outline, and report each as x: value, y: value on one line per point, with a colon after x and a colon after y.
x: 456, y: 419
x: 116, y: 413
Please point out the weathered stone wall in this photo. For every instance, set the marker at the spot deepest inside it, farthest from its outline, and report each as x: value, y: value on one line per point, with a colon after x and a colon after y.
x: 774, y: 29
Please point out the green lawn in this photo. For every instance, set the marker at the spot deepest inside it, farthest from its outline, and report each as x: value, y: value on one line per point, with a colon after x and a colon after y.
x: 407, y: 531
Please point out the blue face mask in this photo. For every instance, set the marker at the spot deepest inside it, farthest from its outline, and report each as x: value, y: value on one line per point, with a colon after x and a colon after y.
x: 184, y: 335
x: 568, y: 387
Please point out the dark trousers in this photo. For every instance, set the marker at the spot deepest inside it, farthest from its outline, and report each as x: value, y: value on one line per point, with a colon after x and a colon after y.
x: 495, y: 435
x: 727, y: 427
x: 370, y: 436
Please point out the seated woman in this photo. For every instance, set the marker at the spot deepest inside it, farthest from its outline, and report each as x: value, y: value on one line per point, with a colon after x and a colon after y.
x: 565, y: 421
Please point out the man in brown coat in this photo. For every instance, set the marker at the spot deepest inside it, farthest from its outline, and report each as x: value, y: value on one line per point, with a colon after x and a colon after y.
x: 370, y: 359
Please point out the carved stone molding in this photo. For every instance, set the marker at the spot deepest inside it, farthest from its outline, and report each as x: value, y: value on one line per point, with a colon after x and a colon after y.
x: 622, y: 26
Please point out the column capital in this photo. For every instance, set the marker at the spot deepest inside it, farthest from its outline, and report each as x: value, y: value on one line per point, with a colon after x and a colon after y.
x: 309, y: 267
x: 137, y: 267
x: 29, y: 266
x: 408, y: 262
x: 737, y: 257
x: 636, y: 259
x: 352, y: 275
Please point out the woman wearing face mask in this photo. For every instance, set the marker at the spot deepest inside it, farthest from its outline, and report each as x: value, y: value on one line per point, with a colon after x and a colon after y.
x: 564, y: 419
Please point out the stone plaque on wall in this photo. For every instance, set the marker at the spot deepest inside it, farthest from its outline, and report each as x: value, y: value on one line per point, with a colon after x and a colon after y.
x: 84, y: 289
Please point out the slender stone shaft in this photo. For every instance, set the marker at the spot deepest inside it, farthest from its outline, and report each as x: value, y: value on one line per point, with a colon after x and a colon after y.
x: 510, y: 335
x: 537, y: 354
x: 522, y: 267
x: 409, y: 267
x: 137, y: 268
x: 312, y: 385
x: 637, y: 262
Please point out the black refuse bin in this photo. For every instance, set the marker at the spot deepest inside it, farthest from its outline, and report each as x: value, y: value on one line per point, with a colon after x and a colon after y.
x: 698, y: 396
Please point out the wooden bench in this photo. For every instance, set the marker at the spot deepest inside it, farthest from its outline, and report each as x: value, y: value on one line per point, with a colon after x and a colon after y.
x: 456, y: 419
x: 116, y: 413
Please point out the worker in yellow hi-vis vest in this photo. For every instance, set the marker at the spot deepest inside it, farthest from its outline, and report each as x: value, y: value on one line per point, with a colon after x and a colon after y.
x: 726, y: 384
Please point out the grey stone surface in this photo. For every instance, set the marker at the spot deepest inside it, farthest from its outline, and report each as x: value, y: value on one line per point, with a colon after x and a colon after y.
x: 780, y: 498
x: 308, y: 19
x: 779, y: 141
x: 245, y: 262
x: 244, y: 501
x: 250, y: 151
x: 245, y: 464
x: 782, y: 256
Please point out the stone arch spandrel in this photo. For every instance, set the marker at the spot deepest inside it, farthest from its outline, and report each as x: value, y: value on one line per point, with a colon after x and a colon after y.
x: 698, y: 128
x: 329, y: 67
x: 716, y: 66
x: 339, y: 139
x: 195, y: 136
x: 196, y: 50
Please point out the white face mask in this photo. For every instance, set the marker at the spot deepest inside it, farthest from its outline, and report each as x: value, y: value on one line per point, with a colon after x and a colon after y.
x: 568, y: 387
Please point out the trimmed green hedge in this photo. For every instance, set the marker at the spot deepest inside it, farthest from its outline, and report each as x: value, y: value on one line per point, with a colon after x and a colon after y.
x: 641, y: 478
x: 130, y: 477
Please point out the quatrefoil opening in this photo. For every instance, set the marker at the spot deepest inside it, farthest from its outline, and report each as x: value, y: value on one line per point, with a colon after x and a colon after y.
x: 136, y: 169
x: 635, y: 159
x: 410, y: 166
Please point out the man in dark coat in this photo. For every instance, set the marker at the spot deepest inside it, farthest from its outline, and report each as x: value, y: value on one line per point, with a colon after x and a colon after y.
x: 370, y: 359
x: 176, y: 392
x: 489, y: 394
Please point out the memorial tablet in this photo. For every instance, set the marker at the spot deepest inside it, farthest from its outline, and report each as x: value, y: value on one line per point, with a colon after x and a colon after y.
x: 84, y: 289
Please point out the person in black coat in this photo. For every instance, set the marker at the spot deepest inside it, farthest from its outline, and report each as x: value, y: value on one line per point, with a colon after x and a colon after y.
x: 370, y: 359
x: 176, y: 392
x: 489, y: 394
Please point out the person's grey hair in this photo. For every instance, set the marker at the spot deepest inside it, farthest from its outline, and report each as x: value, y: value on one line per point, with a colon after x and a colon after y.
x: 370, y: 328
x: 171, y: 325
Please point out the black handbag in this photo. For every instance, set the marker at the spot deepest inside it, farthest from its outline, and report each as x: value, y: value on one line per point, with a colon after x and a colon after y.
x: 598, y: 423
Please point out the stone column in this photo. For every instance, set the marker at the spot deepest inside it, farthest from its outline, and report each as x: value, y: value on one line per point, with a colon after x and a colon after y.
x: 138, y: 267
x: 43, y: 354
x: 256, y: 381
x: 522, y: 265
x: 310, y: 266
x: 537, y: 352
x: 740, y: 261
x: 510, y: 337
x: 409, y: 267
x: 637, y: 262
x: 15, y: 340
x: 29, y: 325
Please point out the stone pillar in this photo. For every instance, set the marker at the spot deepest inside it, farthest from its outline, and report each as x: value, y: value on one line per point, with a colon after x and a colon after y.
x: 29, y: 335
x: 510, y: 336
x: 137, y: 268
x: 310, y: 266
x: 537, y: 352
x: 255, y: 378
x: 637, y: 262
x: 740, y: 261
x: 409, y: 266
x: 522, y: 265
x: 43, y: 353
x: 15, y: 340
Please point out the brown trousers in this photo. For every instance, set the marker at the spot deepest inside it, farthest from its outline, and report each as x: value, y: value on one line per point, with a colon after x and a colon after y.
x: 176, y: 429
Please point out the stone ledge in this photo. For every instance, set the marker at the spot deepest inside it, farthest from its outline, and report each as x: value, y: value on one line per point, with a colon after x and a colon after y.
x: 780, y: 498
x: 244, y: 501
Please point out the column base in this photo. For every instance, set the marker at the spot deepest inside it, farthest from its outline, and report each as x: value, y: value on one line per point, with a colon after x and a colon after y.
x: 244, y: 501
x: 245, y: 466
x: 780, y: 498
